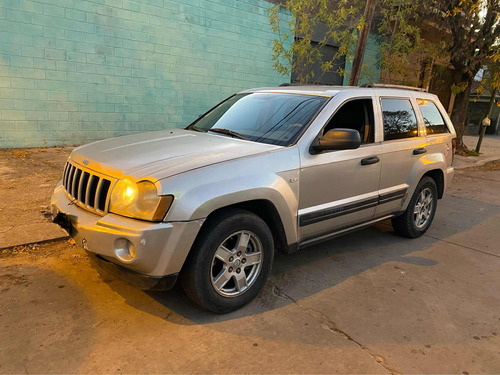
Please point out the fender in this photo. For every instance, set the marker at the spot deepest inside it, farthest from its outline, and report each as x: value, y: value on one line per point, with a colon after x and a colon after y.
x: 425, y: 164
x: 263, y: 177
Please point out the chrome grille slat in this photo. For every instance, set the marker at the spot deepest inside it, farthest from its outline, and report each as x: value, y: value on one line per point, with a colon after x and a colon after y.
x: 86, y: 188
x: 93, y: 190
x: 76, y: 182
x: 66, y: 166
x: 102, y: 194
x: 70, y: 179
x: 82, y: 191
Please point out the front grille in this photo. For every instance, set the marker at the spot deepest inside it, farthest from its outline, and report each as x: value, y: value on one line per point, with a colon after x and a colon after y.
x: 86, y: 188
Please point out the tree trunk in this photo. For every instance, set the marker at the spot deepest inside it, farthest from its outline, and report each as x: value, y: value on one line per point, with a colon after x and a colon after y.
x: 459, y: 114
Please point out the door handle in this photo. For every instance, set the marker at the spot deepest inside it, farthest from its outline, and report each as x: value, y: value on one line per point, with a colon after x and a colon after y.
x: 419, y: 151
x: 370, y: 160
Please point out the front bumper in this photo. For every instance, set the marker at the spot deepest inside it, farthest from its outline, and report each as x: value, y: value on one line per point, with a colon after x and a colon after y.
x: 159, y: 249
x: 450, y: 171
x: 138, y: 280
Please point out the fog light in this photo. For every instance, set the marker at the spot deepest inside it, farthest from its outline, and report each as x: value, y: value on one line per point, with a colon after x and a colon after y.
x: 124, y: 249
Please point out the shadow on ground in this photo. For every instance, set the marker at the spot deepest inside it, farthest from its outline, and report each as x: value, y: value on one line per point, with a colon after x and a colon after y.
x: 326, y: 265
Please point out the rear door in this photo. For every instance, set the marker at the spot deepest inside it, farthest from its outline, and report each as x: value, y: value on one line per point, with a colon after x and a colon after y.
x: 439, y: 137
x: 403, y: 145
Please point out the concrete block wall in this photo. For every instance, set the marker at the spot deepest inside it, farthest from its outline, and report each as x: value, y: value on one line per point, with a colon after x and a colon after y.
x: 75, y: 71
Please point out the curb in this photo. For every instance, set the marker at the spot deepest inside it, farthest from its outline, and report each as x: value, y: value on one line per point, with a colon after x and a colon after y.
x: 479, y: 163
x: 55, y: 239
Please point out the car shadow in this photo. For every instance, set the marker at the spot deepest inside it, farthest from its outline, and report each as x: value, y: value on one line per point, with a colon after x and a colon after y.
x: 309, y: 271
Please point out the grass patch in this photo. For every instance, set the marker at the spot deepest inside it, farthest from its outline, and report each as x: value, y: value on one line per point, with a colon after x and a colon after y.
x: 467, y: 153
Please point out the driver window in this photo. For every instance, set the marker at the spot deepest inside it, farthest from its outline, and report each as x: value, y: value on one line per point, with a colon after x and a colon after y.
x: 357, y: 115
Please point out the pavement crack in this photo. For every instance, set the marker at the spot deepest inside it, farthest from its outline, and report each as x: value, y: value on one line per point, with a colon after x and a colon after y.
x: 463, y: 246
x: 332, y: 327
x: 168, y: 315
x: 6, y: 230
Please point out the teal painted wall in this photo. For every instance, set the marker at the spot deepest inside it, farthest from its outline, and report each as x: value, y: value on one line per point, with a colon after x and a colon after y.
x: 370, y: 72
x: 74, y: 71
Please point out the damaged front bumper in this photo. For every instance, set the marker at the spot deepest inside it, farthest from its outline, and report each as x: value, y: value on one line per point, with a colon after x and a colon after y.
x: 145, y: 254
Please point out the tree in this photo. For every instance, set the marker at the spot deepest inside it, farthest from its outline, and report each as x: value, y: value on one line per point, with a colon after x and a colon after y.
x: 401, y: 31
x: 359, y: 53
x: 294, y: 50
x: 492, y: 83
x: 473, y: 28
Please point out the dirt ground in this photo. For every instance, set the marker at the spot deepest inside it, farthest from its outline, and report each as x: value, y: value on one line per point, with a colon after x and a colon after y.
x: 27, y: 178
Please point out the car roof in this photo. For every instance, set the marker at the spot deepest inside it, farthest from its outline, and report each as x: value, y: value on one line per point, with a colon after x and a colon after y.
x: 329, y: 91
x: 321, y: 90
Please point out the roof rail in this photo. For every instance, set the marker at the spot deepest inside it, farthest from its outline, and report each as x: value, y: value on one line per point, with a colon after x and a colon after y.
x: 304, y: 84
x: 390, y: 86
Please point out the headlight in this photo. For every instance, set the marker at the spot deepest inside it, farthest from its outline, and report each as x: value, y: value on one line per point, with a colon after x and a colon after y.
x: 139, y: 200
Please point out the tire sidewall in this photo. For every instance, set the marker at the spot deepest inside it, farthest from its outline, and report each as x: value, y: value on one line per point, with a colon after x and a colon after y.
x: 207, y: 296
x: 426, y: 182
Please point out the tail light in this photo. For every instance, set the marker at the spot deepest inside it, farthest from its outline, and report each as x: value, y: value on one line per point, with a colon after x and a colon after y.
x: 453, y: 148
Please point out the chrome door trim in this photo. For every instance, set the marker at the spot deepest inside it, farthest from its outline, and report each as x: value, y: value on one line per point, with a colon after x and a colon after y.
x: 393, y: 193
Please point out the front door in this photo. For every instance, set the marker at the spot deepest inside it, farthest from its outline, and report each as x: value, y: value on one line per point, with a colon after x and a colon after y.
x: 339, y: 189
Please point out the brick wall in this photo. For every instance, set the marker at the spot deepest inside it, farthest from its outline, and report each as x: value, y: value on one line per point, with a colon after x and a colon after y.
x: 74, y: 71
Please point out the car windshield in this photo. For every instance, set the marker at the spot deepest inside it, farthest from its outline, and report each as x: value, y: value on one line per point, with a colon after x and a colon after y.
x: 274, y: 118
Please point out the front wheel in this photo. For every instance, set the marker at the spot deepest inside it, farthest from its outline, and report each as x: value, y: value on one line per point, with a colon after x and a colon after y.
x: 420, y: 212
x: 230, y: 261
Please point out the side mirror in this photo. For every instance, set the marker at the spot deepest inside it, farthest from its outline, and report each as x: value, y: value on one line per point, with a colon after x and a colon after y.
x: 338, y: 139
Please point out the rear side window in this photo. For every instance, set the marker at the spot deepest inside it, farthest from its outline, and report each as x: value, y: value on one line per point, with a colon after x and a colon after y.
x: 399, y: 119
x: 433, y: 120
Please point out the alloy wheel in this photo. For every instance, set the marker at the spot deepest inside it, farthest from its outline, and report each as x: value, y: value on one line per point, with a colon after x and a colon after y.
x: 236, y: 264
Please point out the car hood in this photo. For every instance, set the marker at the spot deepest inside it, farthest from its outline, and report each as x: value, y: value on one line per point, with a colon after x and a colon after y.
x: 157, y: 155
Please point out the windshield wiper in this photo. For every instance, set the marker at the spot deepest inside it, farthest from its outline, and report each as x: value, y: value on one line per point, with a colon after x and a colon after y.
x: 228, y: 132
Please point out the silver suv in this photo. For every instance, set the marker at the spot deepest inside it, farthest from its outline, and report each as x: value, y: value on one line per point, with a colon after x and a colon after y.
x: 271, y: 168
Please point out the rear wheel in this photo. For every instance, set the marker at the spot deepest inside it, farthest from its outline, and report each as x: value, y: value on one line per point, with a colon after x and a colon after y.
x: 420, y: 211
x: 230, y: 261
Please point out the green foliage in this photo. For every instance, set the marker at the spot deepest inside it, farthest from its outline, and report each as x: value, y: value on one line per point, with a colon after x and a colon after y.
x: 458, y: 88
x: 472, y: 30
x: 401, y: 28
x: 294, y: 51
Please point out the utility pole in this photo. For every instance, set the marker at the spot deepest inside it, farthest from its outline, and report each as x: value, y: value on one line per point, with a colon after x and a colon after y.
x: 361, y: 44
x: 486, y: 121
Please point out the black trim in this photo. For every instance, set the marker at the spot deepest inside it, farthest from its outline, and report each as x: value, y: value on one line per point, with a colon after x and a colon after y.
x: 333, y: 212
x: 135, y: 279
x: 370, y: 160
x: 330, y: 213
x: 389, y: 197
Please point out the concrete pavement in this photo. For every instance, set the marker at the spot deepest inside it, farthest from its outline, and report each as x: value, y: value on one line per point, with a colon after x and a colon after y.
x: 490, y: 151
x: 368, y: 302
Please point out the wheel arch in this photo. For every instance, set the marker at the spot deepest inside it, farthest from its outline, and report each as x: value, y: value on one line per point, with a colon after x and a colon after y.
x: 438, y: 176
x: 265, y: 210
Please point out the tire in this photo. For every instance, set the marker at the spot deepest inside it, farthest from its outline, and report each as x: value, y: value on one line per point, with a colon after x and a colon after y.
x: 220, y: 277
x: 420, y: 212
